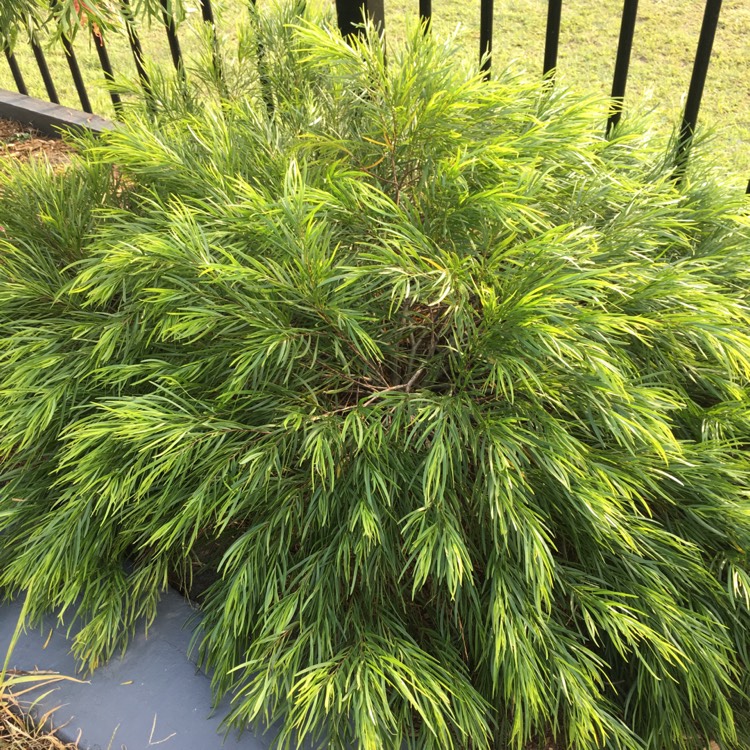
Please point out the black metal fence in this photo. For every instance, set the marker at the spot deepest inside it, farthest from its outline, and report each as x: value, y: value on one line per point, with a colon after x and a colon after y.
x: 347, y: 19
x: 350, y: 12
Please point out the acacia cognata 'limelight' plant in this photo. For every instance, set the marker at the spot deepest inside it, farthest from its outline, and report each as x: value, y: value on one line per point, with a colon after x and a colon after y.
x: 457, y: 384
x: 67, y: 18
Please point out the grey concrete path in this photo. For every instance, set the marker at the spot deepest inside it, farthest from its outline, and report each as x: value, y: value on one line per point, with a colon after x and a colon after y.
x: 154, y: 698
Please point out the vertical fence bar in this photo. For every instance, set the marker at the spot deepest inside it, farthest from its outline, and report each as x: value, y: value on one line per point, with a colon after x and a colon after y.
x: 485, y: 36
x: 349, y: 14
x: 106, y: 66
x: 41, y: 63
x: 16, y: 72
x: 697, y: 82
x: 207, y: 11
x: 208, y: 17
x: 174, y: 43
x: 425, y: 13
x: 622, y: 62
x: 552, y: 39
x: 75, y: 72
x: 137, y: 51
x: 376, y: 12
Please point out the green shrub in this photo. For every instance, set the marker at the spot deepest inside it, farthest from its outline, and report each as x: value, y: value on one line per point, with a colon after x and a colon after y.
x: 69, y: 17
x: 457, y: 386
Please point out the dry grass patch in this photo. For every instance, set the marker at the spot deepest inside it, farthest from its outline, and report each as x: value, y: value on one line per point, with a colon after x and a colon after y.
x: 18, y: 730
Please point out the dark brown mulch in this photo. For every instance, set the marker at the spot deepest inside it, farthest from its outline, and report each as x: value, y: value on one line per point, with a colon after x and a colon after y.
x: 23, y: 143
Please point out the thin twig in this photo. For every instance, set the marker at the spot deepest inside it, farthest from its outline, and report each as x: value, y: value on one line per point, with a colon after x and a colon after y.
x: 151, y: 736
x: 406, y: 387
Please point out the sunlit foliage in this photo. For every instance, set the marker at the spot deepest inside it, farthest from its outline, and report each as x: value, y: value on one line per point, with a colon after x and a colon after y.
x: 66, y: 17
x: 459, y: 384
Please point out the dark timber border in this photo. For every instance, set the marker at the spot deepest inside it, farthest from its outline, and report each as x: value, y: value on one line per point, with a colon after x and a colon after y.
x: 46, y: 117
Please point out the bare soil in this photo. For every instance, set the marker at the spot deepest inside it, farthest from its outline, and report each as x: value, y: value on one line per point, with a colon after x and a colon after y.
x: 24, y: 143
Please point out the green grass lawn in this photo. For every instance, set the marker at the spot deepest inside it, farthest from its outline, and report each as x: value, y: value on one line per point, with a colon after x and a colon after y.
x: 664, y: 47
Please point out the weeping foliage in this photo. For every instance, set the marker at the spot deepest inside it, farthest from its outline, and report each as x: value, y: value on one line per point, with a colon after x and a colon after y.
x: 68, y: 17
x: 46, y: 21
x: 458, y: 386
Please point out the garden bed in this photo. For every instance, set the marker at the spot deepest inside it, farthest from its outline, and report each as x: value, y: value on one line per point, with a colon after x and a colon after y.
x: 21, y: 142
x: 448, y: 389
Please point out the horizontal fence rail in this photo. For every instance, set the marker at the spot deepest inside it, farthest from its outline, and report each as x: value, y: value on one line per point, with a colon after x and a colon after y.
x: 349, y: 16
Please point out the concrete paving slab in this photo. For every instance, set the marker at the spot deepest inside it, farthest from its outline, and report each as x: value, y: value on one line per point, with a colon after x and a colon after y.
x: 154, y: 698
